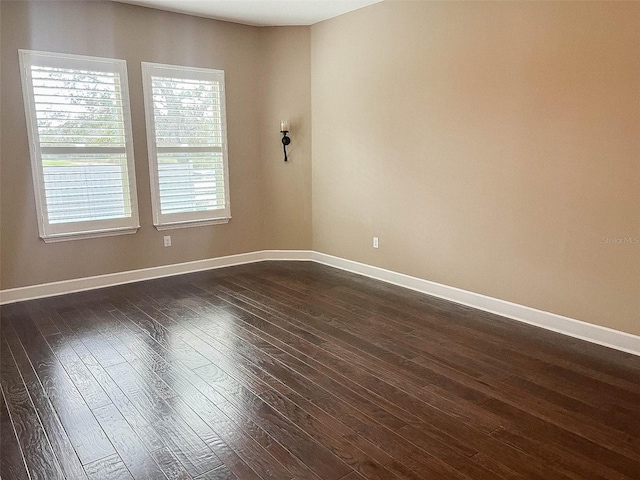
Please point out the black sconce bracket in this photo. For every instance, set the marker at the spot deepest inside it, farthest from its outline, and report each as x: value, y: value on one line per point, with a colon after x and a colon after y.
x: 285, y: 141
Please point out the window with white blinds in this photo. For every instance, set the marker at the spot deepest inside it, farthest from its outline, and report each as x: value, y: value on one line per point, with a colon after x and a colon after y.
x: 79, y: 127
x: 187, y: 141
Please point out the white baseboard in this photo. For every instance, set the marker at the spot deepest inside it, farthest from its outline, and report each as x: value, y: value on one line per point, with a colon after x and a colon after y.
x: 111, y: 279
x: 568, y: 326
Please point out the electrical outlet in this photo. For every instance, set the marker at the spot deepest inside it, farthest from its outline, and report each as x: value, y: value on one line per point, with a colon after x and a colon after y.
x: 167, y: 240
x: 375, y: 242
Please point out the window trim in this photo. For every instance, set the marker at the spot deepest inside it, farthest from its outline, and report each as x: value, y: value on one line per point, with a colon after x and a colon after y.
x: 185, y: 219
x: 85, y: 229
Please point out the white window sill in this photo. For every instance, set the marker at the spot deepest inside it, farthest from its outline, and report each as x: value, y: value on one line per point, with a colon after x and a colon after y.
x: 63, y: 237
x: 192, y: 223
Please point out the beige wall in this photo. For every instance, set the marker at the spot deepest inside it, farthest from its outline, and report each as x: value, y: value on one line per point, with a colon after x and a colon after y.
x: 286, y: 94
x: 490, y: 145
x: 261, y: 186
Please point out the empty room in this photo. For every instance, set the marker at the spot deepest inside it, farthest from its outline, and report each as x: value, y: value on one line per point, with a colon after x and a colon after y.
x: 319, y: 239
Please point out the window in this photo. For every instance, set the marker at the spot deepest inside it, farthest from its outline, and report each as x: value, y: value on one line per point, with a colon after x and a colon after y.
x: 79, y: 128
x: 187, y: 141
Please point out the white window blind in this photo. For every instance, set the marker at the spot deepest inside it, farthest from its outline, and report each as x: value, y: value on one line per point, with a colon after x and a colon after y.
x: 79, y: 128
x: 186, y: 132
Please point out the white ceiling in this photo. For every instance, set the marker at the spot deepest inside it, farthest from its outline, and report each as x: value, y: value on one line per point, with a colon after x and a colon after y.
x: 259, y: 12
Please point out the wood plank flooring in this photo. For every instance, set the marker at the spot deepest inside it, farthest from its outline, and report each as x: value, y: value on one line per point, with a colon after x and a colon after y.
x: 293, y: 370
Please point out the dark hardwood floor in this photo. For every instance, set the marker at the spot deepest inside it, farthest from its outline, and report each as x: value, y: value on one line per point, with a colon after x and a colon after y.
x: 298, y: 371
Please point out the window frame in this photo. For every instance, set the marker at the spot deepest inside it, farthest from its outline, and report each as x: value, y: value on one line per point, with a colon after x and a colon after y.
x: 56, y: 232
x: 169, y: 221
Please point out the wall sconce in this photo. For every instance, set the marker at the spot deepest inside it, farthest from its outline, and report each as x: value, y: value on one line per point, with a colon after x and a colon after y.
x: 284, y: 130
